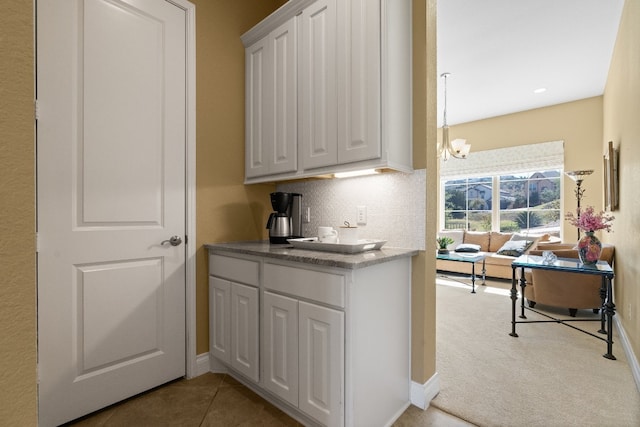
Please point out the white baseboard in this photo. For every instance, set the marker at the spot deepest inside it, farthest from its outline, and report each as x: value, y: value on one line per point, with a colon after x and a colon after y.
x: 423, y: 394
x: 628, y: 352
x: 205, y: 363
x: 202, y: 364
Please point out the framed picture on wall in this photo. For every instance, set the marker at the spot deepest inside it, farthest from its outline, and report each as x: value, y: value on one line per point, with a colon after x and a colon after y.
x: 611, y: 178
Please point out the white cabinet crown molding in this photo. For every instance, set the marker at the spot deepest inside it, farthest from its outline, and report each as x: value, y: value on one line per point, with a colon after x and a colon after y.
x: 277, y: 18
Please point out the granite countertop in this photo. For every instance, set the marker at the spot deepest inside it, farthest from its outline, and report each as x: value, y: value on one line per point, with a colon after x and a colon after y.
x: 329, y: 259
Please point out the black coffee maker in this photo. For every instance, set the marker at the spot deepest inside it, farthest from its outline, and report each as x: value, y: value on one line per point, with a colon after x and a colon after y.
x: 285, y: 223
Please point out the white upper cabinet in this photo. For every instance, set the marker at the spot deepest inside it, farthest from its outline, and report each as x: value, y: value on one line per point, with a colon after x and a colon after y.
x: 271, y: 103
x: 359, y: 84
x: 318, y: 95
x: 353, y: 90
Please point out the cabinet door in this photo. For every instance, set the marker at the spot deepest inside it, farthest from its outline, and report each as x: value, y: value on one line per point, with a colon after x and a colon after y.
x: 259, y: 115
x: 359, y: 62
x: 281, y: 346
x: 321, y: 363
x: 284, y: 103
x: 220, y: 319
x: 271, y: 103
x: 244, y: 330
x: 317, y: 85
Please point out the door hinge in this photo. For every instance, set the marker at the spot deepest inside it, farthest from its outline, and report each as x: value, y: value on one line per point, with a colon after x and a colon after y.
x: 36, y: 110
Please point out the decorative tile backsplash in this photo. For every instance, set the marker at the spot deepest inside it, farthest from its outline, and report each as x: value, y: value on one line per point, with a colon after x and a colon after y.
x: 395, y: 205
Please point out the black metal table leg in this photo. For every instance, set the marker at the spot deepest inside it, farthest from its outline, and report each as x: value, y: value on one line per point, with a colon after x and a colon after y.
x: 523, y: 284
x: 610, y: 308
x: 514, y: 297
x: 473, y: 277
x: 484, y: 273
x: 603, y: 299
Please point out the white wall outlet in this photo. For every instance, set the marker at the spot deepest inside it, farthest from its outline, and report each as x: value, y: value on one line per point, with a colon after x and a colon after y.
x: 307, y: 215
x: 361, y: 216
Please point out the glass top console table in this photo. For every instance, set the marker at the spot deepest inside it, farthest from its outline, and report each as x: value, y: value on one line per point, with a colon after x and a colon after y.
x: 567, y: 265
x: 470, y: 257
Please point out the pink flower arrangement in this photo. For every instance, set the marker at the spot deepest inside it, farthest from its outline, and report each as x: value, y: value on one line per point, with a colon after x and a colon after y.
x: 588, y: 220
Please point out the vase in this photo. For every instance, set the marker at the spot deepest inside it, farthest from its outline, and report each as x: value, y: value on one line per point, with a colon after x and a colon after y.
x: 589, y: 249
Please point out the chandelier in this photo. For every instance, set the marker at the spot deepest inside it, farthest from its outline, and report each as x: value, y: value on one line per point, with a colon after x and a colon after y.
x: 457, y: 148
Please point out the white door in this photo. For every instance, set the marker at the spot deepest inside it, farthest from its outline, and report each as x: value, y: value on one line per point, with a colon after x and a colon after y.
x: 111, y: 78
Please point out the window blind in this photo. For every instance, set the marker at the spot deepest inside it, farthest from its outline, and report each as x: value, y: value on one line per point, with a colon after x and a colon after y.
x: 522, y: 158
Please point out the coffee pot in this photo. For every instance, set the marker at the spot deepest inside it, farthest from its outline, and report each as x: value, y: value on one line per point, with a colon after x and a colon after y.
x: 285, y: 223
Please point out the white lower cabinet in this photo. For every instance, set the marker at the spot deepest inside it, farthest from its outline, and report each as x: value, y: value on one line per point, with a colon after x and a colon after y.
x: 321, y: 363
x: 280, y: 359
x: 220, y: 319
x: 304, y: 356
x: 333, y: 342
x: 245, y: 330
x: 234, y: 324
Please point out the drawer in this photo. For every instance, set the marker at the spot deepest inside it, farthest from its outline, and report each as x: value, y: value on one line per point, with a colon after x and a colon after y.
x: 235, y: 269
x: 318, y: 286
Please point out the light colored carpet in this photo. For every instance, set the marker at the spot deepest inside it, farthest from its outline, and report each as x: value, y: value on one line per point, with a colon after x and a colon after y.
x: 551, y: 375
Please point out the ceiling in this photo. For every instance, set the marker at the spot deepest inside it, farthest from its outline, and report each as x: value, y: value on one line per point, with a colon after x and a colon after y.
x: 499, y: 51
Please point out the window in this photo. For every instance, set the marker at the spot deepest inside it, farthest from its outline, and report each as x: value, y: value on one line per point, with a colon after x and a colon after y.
x: 523, y: 202
x: 468, y: 203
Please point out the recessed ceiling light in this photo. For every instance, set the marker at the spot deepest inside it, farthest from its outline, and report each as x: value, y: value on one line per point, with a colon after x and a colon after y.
x: 540, y: 90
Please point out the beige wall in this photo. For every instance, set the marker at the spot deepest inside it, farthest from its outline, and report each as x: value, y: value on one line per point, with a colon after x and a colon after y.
x: 578, y: 124
x: 227, y: 210
x: 423, y: 298
x: 17, y: 217
x: 621, y: 125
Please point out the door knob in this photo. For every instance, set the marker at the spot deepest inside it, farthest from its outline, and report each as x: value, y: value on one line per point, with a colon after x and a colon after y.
x: 173, y: 241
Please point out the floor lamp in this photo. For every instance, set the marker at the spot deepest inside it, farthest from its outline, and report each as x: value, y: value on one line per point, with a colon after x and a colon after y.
x: 578, y: 176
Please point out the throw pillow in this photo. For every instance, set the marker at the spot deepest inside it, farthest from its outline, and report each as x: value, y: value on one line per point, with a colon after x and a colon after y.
x: 514, y: 248
x: 468, y: 247
x: 532, y: 238
x: 498, y: 239
x: 478, y: 238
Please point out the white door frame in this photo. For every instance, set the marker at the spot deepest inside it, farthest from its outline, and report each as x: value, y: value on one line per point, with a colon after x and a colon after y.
x: 190, y: 247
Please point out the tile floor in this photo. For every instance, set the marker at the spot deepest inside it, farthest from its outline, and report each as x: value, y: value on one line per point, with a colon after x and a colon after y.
x: 219, y: 400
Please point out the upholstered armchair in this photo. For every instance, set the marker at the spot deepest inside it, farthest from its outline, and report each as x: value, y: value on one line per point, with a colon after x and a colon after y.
x: 559, y: 289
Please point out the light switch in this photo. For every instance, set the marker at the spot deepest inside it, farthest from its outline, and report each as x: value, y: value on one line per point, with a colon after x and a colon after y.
x: 361, y: 216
